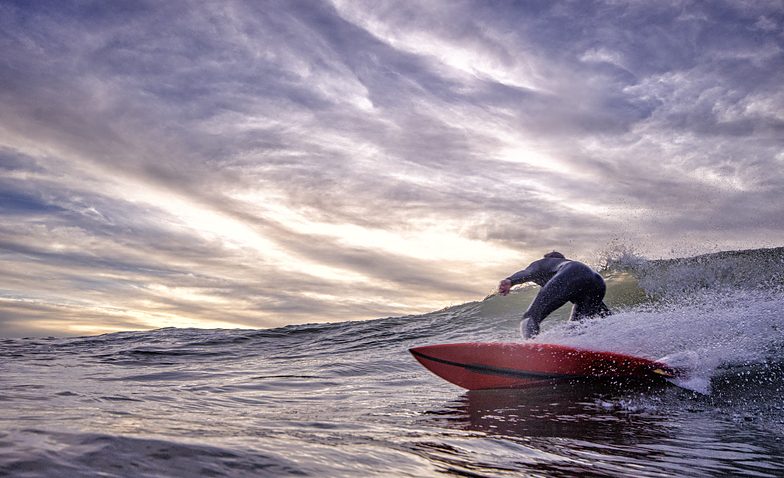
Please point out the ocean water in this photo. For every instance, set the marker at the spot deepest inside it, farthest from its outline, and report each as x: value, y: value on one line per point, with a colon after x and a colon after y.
x: 347, y: 399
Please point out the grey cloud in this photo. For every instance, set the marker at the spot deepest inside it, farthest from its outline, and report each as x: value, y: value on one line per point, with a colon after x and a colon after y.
x: 663, y: 120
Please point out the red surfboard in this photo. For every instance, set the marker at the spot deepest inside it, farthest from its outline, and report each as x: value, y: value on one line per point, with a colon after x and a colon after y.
x: 478, y: 366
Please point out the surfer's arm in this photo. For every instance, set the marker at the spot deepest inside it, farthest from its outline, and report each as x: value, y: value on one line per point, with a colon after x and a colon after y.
x: 521, y: 277
x: 506, y: 285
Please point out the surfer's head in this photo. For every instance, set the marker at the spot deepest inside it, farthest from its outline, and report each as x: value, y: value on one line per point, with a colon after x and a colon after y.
x: 557, y: 255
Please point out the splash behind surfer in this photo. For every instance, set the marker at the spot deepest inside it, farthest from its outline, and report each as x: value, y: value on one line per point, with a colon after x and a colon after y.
x: 562, y: 280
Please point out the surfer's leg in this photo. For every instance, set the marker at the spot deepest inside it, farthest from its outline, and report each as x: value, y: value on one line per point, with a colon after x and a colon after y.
x: 529, y: 328
x: 552, y: 296
x: 589, y: 303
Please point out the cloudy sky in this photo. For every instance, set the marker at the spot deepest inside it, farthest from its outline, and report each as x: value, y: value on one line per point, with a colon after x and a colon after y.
x: 260, y: 163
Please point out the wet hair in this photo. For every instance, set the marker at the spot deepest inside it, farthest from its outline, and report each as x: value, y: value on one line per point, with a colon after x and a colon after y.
x: 555, y: 254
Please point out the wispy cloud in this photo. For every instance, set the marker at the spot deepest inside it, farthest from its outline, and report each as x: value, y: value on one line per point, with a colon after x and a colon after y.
x: 262, y: 163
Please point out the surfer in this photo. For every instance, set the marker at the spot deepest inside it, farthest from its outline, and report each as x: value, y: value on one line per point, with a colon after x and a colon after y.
x: 562, y: 280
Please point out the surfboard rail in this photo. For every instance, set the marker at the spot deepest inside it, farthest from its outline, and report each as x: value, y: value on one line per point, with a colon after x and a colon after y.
x: 487, y: 365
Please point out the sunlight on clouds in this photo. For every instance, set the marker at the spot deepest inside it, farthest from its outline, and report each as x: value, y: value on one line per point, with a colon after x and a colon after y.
x: 603, y: 55
x: 158, y: 320
x: 77, y: 318
x: 516, y: 149
x: 148, y: 319
x: 412, y: 305
x: 476, y: 63
x: 187, y: 293
x: 81, y: 329
x: 586, y: 208
x: 525, y: 155
x: 468, y: 58
x: 713, y: 178
x: 60, y: 326
x: 347, y: 89
x: 424, y: 242
x: 335, y: 83
x: 756, y: 106
x: 209, y: 223
x: 232, y: 232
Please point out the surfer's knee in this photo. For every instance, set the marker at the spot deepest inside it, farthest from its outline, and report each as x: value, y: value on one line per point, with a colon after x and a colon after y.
x: 604, y: 311
x: 529, y: 328
x: 589, y: 310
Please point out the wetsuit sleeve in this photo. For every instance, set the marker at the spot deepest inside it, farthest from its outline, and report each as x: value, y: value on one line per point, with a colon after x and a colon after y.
x: 540, y: 271
x: 525, y: 275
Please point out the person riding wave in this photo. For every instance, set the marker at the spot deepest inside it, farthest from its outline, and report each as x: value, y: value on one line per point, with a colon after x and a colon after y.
x: 562, y: 280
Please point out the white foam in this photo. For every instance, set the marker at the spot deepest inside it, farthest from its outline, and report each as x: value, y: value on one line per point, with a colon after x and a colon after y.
x: 697, y: 334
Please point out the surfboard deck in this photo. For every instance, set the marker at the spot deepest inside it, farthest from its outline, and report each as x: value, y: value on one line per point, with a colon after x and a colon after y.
x: 482, y: 365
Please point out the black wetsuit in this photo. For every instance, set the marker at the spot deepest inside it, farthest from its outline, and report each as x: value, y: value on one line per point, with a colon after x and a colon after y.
x: 562, y: 281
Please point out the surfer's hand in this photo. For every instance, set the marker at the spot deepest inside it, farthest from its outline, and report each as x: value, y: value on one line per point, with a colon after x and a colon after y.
x: 504, y: 287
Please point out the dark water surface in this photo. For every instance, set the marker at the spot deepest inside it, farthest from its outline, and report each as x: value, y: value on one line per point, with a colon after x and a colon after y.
x: 348, y: 400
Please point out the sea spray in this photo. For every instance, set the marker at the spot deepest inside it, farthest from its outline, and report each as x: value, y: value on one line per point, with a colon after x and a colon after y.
x: 699, y: 314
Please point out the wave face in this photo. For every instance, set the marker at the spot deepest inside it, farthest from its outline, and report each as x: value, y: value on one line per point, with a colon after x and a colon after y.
x: 346, y: 399
x: 704, y: 314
